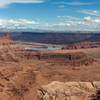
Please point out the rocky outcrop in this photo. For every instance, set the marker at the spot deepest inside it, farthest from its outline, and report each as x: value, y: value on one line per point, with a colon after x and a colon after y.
x: 69, y: 91
x: 7, y: 55
x: 5, y: 40
x: 14, y: 83
x: 83, y: 45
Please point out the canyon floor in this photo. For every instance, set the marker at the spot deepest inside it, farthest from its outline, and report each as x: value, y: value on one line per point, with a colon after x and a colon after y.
x: 23, y: 72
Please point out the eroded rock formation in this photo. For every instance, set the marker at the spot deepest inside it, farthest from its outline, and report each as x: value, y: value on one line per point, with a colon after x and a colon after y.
x: 5, y: 40
x: 69, y: 91
x: 83, y: 45
x: 22, y: 72
x: 71, y: 59
x: 68, y: 59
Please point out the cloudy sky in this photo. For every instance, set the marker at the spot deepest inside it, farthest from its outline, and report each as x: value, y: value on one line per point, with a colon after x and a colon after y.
x: 54, y: 15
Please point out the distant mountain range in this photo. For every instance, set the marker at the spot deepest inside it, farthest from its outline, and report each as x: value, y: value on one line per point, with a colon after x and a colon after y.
x: 55, y: 37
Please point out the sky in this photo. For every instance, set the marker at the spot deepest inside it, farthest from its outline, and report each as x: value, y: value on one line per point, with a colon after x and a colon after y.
x: 50, y: 15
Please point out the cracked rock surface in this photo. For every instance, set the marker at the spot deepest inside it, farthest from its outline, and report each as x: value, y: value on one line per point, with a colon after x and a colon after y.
x: 69, y: 91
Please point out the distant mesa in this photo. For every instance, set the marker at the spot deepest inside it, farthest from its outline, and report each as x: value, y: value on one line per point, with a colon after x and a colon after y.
x: 6, y: 39
x: 82, y: 45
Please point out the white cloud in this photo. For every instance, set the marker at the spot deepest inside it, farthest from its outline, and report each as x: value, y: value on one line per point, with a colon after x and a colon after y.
x: 62, y: 24
x: 12, y: 24
x: 74, y: 19
x: 68, y: 18
x: 61, y: 6
x: 91, y: 12
x: 63, y: 16
x: 88, y: 18
x: 75, y: 3
x: 91, y: 20
x: 4, y: 3
x: 70, y: 23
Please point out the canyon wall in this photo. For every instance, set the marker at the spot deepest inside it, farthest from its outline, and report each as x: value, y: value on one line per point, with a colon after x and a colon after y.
x: 68, y: 59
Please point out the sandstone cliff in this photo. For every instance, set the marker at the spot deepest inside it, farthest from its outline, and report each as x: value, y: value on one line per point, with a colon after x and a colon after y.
x: 70, y: 59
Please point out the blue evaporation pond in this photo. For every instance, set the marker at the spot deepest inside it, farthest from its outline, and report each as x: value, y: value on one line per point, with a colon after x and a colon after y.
x: 42, y: 47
